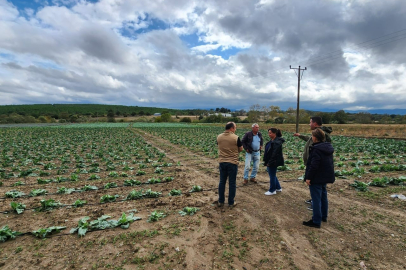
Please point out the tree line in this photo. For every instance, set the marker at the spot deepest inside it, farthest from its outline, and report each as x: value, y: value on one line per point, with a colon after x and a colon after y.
x: 273, y: 114
x: 48, y: 113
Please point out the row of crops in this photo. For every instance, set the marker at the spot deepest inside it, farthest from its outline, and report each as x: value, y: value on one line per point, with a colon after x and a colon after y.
x: 77, y: 166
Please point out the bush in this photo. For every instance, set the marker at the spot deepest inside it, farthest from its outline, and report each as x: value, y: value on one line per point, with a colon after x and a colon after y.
x: 166, y: 117
x: 279, y: 120
x: 186, y: 120
x: 42, y: 119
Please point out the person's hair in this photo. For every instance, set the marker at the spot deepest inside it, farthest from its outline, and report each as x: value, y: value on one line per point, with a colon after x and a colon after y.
x: 276, y: 131
x: 317, y: 119
x: 230, y: 125
x: 255, y: 124
x: 319, y: 135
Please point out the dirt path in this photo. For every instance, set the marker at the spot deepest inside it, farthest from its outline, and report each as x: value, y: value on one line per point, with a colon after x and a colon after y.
x: 356, y: 232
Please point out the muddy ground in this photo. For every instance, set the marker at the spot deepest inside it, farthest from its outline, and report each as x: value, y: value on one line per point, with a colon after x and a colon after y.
x: 364, y: 230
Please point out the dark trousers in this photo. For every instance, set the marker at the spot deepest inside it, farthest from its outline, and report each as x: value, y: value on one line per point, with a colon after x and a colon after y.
x: 319, y: 202
x: 228, y: 170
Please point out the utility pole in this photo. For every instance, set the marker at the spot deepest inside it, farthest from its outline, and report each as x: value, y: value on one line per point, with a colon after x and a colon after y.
x: 298, y: 94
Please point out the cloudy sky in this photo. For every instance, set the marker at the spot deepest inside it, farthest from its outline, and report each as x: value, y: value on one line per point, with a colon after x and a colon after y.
x: 204, y: 54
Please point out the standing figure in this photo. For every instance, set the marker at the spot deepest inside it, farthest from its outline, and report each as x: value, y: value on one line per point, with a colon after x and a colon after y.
x: 273, y: 157
x: 252, y: 143
x: 229, y: 146
x: 315, y: 122
x: 319, y: 172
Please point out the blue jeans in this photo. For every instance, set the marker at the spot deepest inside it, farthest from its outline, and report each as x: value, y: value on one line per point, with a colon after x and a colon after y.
x: 274, y: 183
x: 319, y: 202
x: 254, y: 156
x: 228, y: 170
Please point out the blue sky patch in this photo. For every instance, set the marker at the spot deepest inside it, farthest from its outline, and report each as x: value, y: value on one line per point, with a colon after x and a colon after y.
x: 153, y: 24
x: 192, y: 40
x: 48, y: 65
x: 7, y: 56
x: 23, y: 4
x: 226, y: 54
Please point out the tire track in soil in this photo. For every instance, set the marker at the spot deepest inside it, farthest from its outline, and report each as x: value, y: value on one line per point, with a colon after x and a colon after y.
x: 260, y: 210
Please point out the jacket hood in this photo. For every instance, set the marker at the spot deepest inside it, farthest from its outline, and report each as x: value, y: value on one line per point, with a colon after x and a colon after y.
x: 327, y: 129
x: 279, y: 140
x: 324, y: 147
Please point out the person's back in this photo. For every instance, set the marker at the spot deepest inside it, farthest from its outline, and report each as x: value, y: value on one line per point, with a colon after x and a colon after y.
x: 227, y: 147
x: 324, y: 172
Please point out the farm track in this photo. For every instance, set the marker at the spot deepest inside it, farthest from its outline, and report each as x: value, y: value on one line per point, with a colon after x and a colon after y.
x: 356, y: 231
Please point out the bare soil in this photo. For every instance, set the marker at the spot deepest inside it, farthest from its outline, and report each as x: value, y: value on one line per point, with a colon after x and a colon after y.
x: 364, y: 231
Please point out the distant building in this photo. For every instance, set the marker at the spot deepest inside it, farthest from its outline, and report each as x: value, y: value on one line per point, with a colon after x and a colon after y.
x: 223, y: 114
x: 157, y: 114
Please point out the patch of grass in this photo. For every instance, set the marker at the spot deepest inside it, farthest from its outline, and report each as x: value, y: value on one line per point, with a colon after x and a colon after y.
x: 227, y: 226
x: 340, y: 227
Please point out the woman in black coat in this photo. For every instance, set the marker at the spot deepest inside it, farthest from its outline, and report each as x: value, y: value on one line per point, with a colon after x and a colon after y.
x: 319, y: 172
x: 273, y: 157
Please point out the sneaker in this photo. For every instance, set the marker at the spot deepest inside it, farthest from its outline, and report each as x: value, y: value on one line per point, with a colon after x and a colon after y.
x: 245, y: 182
x: 253, y: 180
x: 310, y: 208
x: 311, y: 224
x: 232, y: 205
x: 279, y: 190
x: 309, y: 201
x: 219, y: 204
x: 270, y: 193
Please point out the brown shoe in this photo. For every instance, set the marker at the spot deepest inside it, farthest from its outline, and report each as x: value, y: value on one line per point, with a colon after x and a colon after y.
x: 245, y: 182
x: 253, y: 180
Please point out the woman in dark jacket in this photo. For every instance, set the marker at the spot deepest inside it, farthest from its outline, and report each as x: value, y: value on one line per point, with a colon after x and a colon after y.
x: 319, y: 172
x: 273, y: 157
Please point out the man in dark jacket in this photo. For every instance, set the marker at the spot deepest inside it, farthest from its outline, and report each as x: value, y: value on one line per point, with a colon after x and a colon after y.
x: 319, y: 172
x: 252, y: 143
x: 315, y: 122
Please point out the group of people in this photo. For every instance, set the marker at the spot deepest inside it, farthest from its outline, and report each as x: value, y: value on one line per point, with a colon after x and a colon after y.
x: 317, y: 155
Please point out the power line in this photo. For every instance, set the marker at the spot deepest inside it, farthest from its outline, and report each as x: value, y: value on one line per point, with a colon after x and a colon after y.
x: 370, y: 47
x: 358, y: 45
x: 362, y: 46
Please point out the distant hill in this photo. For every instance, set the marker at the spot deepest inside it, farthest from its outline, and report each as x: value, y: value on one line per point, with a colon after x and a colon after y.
x: 82, y: 109
x: 383, y: 111
x: 378, y: 111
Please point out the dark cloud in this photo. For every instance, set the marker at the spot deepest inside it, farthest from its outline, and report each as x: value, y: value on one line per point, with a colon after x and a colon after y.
x: 103, y: 44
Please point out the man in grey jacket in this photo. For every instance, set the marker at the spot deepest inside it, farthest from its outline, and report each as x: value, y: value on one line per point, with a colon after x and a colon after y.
x: 315, y: 122
x: 252, y: 143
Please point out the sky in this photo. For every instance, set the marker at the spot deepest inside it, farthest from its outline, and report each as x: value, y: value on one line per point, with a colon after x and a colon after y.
x: 204, y: 54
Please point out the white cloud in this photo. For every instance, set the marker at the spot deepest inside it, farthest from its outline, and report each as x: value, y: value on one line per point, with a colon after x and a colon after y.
x: 205, y: 48
x: 7, y: 11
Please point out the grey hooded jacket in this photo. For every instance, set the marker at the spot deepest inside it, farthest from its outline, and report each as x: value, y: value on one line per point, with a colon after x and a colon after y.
x: 309, y: 141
